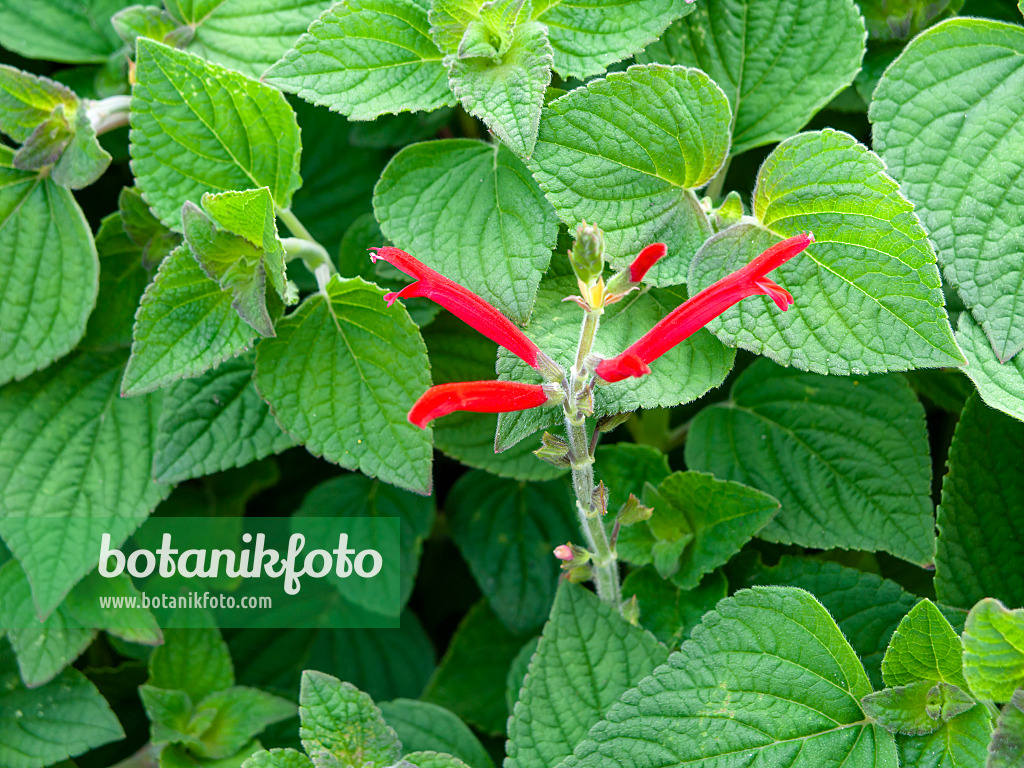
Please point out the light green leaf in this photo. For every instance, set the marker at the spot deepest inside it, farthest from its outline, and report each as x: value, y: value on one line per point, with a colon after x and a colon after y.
x: 235, y: 242
x: 508, y: 95
x: 904, y: 19
x: 917, y: 709
x: 506, y: 531
x: 668, y: 612
x: 45, y: 725
x: 213, y: 423
x: 357, y: 496
x: 714, y: 518
x: 682, y: 375
x: 847, y: 457
x: 470, y: 680
x: 949, y: 123
x: 83, y: 161
x: 589, y: 35
x: 449, y: 21
x: 422, y: 726
x: 924, y: 648
x: 172, y: 717
x: 994, y: 650
x: 866, y: 607
x: 867, y: 293
x: 195, y: 661
x: 71, y: 448
x: 48, y: 271
x: 471, y: 211
x: 26, y: 100
x: 76, y: 31
x: 982, y: 510
x: 366, y: 58
x: 960, y: 743
x: 626, y: 153
x: 767, y: 675
x: 278, y: 758
x: 1001, y: 385
x: 1007, y: 744
x: 342, y: 726
x: 431, y: 759
x: 197, y: 127
x: 587, y: 657
x: 459, y: 353
x: 241, y: 713
x: 45, y: 648
x: 137, y: 21
x: 341, y: 376
x: 184, y: 326
x: 779, y: 63
x: 249, y: 35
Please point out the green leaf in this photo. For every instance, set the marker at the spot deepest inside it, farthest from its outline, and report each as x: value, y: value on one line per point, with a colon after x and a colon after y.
x: 626, y: 153
x: 235, y: 242
x: 421, y: 726
x: 847, y: 457
x: 145, y: 230
x: 867, y: 293
x: 459, y: 353
x: 45, y: 647
x: 278, y: 758
x: 26, y: 100
x: 470, y: 680
x: 48, y: 271
x: 471, y: 211
x: 588, y: 656
x: 184, y: 326
x: 1007, y: 744
x: 682, y: 375
x: 341, y: 376
x: 123, y: 278
x: 194, y: 127
x: 365, y: 58
x: 981, y: 511
x: 213, y: 423
x: 195, y: 661
x: 1001, y: 385
x: 589, y: 35
x: 506, y: 531
x: 241, y: 713
x: 383, y: 662
x: 137, y: 21
x: 342, y: 726
x: 960, y: 743
x: 866, y: 607
x: 172, y: 716
x: 994, y: 650
x: 76, y: 31
x: 507, y: 95
x: 71, y: 448
x: 924, y: 648
x: 358, y: 496
x: 84, y: 160
x: 779, y: 63
x: 45, y: 725
x: 768, y: 674
x: 432, y: 759
x: 668, y: 612
x: 917, y: 709
x: 714, y: 517
x: 948, y: 122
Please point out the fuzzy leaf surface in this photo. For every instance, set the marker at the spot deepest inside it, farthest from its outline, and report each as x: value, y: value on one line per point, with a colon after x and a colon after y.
x: 867, y: 291
x: 805, y: 439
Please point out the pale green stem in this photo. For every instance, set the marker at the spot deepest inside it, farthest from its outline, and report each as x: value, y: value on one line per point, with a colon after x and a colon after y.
x: 109, y: 113
x: 303, y: 245
x: 605, y: 563
x: 714, y: 188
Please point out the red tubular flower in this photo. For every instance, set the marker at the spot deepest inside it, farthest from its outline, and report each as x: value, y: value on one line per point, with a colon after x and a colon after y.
x: 694, y: 314
x: 646, y: 259
x: 466, y: 306
x: 477, y: 397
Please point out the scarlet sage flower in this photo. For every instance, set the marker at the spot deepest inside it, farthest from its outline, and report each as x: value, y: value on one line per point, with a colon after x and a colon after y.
x: 478, y: 397
x: 466, y: 306
x: 646, y: 259
x: 691, y: 316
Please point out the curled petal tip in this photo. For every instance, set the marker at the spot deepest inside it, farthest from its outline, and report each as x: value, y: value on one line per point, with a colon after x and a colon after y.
x: 390, y: 297
x: 646, y: 259
x: 628, y: 364
x: 783, y: 299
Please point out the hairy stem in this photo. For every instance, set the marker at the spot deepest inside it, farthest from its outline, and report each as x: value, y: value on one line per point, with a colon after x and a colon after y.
x: 581, y: 456
x: 109, y: 113
x: 303, y: 245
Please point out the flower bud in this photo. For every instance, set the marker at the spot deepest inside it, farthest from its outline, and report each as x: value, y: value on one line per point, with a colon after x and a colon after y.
x: 633, y: 511
x: 587, y: 254
x: 554, y: 450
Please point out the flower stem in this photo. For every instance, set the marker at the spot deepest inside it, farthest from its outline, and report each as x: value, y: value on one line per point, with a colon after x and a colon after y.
x: 109, y: 113
x: 603, y: 558
x: 303, y: 245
